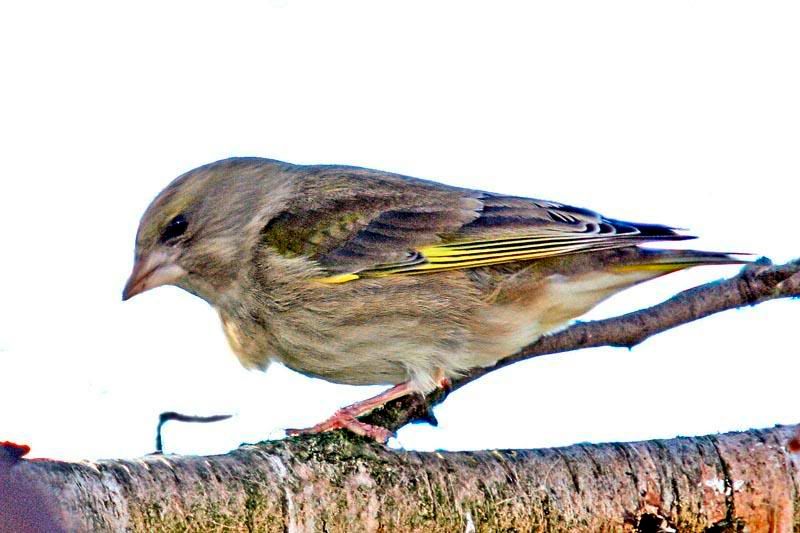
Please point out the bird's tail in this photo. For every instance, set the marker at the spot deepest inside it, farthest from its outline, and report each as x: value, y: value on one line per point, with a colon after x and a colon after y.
x: 667, y: 261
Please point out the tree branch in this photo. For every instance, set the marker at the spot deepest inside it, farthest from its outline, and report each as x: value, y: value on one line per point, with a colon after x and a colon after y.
x: 340, y: 482
x: 756, y: 283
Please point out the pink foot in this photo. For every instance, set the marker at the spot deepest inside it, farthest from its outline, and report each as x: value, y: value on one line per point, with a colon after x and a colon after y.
x: 344, y: 419
x: 347, y: 417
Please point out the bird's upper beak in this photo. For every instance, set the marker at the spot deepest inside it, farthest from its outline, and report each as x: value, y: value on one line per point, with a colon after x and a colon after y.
x: 149, y: 271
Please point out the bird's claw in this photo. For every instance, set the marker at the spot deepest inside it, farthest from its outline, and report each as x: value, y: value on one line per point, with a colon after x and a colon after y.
x: 344, y: 420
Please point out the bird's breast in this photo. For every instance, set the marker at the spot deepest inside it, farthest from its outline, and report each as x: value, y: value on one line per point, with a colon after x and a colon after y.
x: 247, y: 343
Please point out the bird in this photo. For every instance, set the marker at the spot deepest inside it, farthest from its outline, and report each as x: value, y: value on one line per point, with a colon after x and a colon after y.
x: 365, y: 277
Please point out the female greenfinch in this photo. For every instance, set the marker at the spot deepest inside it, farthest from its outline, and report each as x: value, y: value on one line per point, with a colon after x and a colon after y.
x: 366, y: 277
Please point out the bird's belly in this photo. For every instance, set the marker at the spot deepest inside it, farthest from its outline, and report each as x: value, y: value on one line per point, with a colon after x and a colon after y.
x: 363, y: 354
x: 373, y: 371
x: 373, y: 344
x: 367, y: 351
x: 548, y: 306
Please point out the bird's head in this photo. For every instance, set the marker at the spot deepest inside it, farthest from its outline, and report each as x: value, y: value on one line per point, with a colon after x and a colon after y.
x: 198, y: 230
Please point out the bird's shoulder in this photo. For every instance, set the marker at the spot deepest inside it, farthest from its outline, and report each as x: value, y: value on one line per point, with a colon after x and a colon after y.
x: 342, y: 214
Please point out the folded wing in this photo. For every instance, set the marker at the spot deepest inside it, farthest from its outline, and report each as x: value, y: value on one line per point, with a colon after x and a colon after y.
x: 520, y: 229
x: 358, y: 223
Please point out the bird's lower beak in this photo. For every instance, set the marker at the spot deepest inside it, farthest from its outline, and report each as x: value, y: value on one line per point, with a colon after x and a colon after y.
x: 151, y: 271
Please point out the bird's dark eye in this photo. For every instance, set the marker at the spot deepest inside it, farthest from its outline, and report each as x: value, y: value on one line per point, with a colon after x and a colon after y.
x: 176, y: 227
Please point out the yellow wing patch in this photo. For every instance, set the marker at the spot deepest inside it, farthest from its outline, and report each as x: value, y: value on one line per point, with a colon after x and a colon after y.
x: 472, y: 254
x: 339, y: 278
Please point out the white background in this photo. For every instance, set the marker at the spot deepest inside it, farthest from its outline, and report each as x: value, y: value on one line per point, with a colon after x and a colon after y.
x: 685, y: 113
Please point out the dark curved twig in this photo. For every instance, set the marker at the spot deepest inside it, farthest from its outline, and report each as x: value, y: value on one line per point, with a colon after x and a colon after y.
x: 165, y: 417
x: 758, y: 282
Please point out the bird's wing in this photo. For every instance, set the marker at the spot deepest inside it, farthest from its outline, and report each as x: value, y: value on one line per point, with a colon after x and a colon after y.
x: 358, y: 226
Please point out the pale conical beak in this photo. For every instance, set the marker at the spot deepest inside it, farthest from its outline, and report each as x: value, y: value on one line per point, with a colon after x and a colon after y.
x: 152, y: 271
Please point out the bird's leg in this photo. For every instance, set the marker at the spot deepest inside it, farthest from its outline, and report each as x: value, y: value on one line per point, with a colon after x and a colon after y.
x: 347, y: 417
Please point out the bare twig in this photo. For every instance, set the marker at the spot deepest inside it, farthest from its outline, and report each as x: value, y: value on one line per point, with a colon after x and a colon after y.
x: 165, y: 417
x: 756, y: 283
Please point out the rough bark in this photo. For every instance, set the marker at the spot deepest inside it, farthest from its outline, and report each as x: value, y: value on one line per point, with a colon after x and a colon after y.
x: 338, y: 482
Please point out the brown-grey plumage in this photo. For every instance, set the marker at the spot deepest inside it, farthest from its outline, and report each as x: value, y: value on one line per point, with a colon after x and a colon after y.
x: 365, y: 277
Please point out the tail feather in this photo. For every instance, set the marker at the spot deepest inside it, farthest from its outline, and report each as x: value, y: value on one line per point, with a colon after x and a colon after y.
x: 654, y: 231
x: 674, y: 260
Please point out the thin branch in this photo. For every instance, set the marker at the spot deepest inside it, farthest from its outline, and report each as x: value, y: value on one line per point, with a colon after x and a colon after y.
x: 165, y: 417
x: 756, y: 283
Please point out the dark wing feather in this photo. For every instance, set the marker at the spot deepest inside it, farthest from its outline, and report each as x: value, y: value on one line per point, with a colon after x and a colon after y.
x: 394, y: 236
